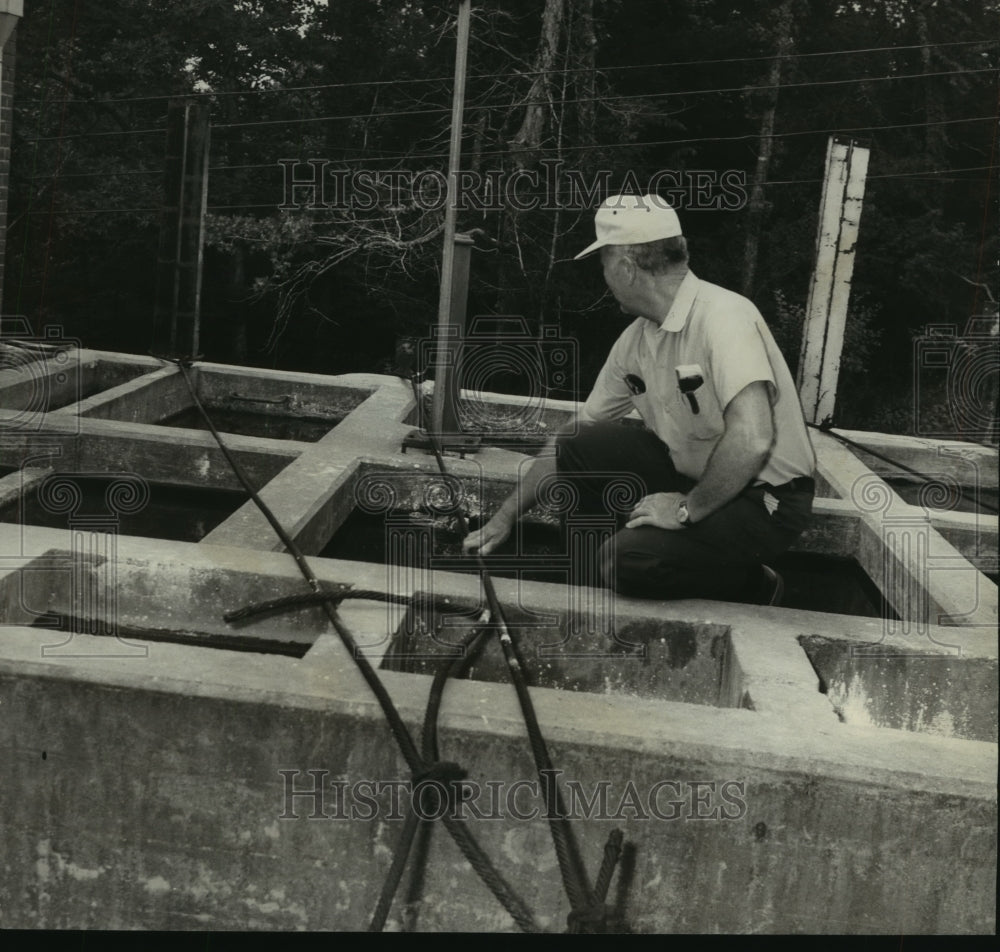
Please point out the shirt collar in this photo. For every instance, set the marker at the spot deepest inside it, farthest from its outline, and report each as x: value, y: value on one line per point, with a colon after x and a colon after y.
x: 678, y: 314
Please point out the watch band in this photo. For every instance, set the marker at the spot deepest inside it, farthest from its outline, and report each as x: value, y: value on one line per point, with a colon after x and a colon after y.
x: 682, y: 514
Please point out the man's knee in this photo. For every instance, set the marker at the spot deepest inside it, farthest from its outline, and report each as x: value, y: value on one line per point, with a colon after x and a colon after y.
x: 635, y: 561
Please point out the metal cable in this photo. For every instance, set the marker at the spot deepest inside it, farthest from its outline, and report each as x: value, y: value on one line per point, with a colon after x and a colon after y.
x: 826, y: 427
x: 582, y: 897
x: 479, y: 861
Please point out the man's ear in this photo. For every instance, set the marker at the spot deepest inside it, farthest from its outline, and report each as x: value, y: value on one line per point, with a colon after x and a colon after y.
x: 628, y: 264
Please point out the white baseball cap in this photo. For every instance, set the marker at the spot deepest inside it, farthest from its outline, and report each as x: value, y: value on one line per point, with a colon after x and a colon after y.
x: 633, y: 220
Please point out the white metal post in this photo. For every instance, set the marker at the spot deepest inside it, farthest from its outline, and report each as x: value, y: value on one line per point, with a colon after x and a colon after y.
x: 826, y: 311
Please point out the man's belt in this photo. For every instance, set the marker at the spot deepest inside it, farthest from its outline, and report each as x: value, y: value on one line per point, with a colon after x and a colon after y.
x: 803, y: 484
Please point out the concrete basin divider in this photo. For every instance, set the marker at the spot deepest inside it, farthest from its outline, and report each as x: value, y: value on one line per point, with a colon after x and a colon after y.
x: 74, y: 444
x: 738, y: 818
x: 46, y: 383
x: 164, y: 393
x: 142, y: 400
x: 972, y: 534
x: 211, y: 786
x: 284, y: 392
x: 921, y: 574
x: 312, y: 495
x: 966, y: 463
x: 15, y: 486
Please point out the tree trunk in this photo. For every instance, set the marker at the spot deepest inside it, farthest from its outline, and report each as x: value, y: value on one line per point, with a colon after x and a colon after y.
x: 757, y: 205
x: 936, y: 137
x: 585, y: 80
x: 529, y: 136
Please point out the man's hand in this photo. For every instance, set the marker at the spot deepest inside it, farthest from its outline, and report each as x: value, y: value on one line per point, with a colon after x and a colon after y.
x: 485, y: 539
x: 659, y: 509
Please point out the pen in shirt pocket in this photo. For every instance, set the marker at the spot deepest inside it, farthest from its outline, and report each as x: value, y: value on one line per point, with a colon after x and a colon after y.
x: 689, y: 379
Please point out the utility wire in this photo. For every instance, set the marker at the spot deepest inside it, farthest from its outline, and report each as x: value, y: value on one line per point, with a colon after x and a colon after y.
x: 273, y: 205
x: 827, y: 427
x: 621, y: 98
x: 442, y: 110
x: 94, y: 135
x: 604, y: 145
x: 506, y: 75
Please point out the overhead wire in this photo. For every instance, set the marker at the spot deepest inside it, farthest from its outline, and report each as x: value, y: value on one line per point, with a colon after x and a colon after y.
x: 362, y: 84
x: 442, y: 110
x: 593, y: 147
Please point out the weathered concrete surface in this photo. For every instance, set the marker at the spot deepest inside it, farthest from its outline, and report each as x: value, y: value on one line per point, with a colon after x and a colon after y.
x: 968, y: 464
x: 175, y: 814
x: 296, y: 394
x: 178, y: 457
x: 920, y: 573
x: 147, y: 399
x: 636, y: 654
x: 151, y: 798
x: 926, y: 691
x: 158, y: 802
x: 311, y: 497
x: 164, y: 393
x: 836, y: 530
x: 15, y: 485
x: 43, y: 385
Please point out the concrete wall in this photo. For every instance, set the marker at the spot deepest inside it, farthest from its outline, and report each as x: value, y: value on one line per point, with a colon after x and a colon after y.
x: 159, y: 806
x: 146, y: 791
x: 143, y: 787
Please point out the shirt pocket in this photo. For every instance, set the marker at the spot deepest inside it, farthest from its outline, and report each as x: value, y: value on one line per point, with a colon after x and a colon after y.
x: 695, y: 406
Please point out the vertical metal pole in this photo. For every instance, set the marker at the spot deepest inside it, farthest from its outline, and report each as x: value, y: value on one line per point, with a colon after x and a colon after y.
x: 196, y: 211
x: 449, y: 332
x: 176, y: 316
x: 829, y: 292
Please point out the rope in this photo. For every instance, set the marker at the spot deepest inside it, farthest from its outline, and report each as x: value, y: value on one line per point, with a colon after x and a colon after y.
x: 584, y: 902
x: 479, y: 861
x: 429, y: 747
x: 289, y: 602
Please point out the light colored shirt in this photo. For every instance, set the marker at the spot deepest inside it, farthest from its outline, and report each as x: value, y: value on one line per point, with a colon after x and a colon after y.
x: 716, y: 335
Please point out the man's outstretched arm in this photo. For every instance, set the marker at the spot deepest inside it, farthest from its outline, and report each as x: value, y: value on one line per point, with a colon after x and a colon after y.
x: 485, y: 539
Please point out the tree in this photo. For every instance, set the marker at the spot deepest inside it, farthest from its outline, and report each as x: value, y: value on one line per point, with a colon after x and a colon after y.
x: 783, y: 29
x: 607, y: 94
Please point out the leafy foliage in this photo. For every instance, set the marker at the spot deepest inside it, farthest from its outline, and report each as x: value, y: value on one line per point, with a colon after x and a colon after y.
x: 616, y: 92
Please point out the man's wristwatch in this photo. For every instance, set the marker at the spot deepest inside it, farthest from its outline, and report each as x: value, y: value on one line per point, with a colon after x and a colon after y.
x: 682, y: 514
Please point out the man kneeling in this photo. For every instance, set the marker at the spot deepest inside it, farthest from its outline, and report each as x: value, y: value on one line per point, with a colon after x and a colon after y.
x: 724, y: 458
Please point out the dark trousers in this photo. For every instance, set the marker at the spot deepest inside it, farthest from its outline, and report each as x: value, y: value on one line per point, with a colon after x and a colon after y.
x: 610, y: 466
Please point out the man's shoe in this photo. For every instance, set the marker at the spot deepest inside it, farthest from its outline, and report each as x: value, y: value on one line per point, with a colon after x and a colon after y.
x: 773, y: 587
